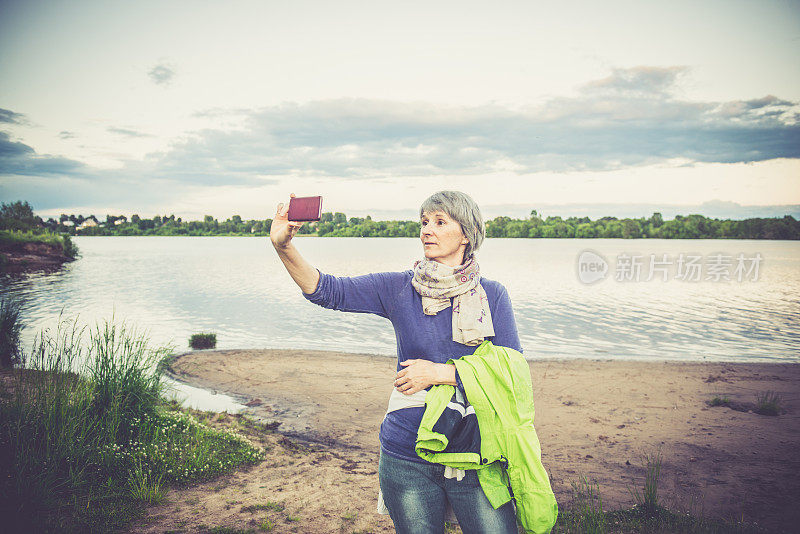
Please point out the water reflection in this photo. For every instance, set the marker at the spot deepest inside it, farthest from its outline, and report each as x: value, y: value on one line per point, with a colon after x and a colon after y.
x: 236, y: 287
x: 200, y: 399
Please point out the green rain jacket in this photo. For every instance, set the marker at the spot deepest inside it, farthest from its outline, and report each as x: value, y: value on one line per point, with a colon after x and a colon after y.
x: 497, y: 383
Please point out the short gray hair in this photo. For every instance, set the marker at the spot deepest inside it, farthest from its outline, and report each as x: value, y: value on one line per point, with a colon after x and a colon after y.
x: 461, y: 208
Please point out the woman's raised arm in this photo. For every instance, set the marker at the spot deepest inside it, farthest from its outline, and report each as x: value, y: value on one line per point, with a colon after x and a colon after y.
x: 281, y: 233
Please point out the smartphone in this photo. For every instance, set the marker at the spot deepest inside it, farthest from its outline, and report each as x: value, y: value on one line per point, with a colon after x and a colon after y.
x: 305, y: 208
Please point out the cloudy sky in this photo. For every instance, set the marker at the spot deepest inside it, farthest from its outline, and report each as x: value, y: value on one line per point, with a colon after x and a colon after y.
x: 570, y: 108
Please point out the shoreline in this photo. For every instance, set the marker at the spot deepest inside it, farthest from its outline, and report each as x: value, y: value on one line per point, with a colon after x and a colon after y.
x: 297, y: 411
x: 32, y: 257
x: 593, y: 417
x: 539, y: 359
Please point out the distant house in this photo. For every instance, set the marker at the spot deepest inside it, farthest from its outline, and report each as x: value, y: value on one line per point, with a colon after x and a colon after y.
x: 88, y: 223
x: 68, y: 223
x: 121, y: 220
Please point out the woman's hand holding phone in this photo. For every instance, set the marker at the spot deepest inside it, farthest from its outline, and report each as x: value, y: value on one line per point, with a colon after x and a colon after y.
x: 281, y: 233
x: 283, y: 230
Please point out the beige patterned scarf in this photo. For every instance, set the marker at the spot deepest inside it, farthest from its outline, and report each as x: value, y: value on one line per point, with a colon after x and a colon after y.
x: 437, y: 283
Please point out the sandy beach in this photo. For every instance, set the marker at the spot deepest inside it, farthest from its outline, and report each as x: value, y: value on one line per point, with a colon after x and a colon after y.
x: 594, y: 417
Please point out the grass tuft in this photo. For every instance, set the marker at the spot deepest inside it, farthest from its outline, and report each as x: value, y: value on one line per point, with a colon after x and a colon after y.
x: 269, y: 505
x: 587, y: 505
x: 719, y: 401
x: 145, y: 485
x: 267, y: 524
x: 768, y: 403
x: 350, y: 516
x: 647, y: 500
x: 203, y: 341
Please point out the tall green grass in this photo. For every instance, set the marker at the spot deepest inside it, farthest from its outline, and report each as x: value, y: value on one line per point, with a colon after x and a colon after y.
x: 587, y: 507
x: 86, y: 438
x: 75, y: 399
x: 10, y: 329
x: 20, y: 237
x: 647, y: 499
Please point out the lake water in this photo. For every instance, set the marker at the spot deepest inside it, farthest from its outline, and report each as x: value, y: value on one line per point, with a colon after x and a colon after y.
x: 237, y: 287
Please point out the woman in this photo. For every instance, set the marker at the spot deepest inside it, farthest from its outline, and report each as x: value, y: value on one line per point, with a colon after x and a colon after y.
x: 440, y: 309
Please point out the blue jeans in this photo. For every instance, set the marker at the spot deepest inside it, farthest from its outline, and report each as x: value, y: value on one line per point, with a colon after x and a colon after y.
x: 416, y: 495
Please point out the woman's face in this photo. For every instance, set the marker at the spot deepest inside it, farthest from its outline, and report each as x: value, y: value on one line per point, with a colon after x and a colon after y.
x: 442, y: 238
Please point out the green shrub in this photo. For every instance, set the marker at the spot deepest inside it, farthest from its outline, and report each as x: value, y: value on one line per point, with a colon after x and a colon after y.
x: 203, y: 341
x: 10, y: 327
x: 70, y: 249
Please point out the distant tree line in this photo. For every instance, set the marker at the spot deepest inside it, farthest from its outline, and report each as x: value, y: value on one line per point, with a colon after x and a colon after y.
x: 19, y: 215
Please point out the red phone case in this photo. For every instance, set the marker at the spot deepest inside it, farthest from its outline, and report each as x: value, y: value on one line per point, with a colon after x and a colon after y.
x: 305, y: 208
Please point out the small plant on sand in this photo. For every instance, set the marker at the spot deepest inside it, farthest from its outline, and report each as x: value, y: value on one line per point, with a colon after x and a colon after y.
x: 648, y: 500
x: 203, y: 341
x: 768, y: 403
x: 269, y: 505
x: 588, y: 507
x: 719, y: 401
x: 278, y: 507
x: 267, y: 525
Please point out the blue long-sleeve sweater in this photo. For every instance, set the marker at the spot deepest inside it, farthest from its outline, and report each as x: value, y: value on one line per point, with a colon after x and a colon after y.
x: 429, y: 337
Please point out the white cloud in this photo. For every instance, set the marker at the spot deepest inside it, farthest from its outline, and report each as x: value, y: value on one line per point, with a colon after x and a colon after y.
x: 615, y: 138
x: 162, y: 74
x: 628, y: 119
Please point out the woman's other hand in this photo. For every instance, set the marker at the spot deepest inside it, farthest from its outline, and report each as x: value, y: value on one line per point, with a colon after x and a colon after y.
x: 419, y: 374
x: 283, y: 230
